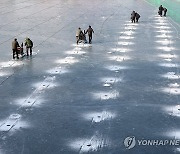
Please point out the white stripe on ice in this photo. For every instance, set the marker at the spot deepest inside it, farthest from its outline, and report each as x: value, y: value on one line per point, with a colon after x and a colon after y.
x: 96, y: 143
x: 131, y: 24
x: 168, y: 59
x: 164, y: 36
x: 3, y: 73
x: 106, y: 95
x: 174, y: 85
x: 7, y: 64
x: 161, y: 23
x: 119, y: 58
x: 174, y: 91
x: 97, y: 117
x: 173, y: 110
x: 164, y: 31
x: 130, y: 27
x: 82, y: 45
x: 34, y: 98
x: 10, y: 122
x: 167, y: 56
x: 110, y: 80
x: 57, y: 70
x: 116, y: 67
x: 165, y: 42
x: 171, y: 75
x: 75, y: 52
x: 168, y: 65
x: 175, y: 134
x: 125, y: 43
x: 129, y: 33
x: 11, y: 64
x: 167, y: 49
x: 162, y: 27
x: 123, y: 50
x: 47, y: 83
x: 67, y: 60
x: 126, y: 37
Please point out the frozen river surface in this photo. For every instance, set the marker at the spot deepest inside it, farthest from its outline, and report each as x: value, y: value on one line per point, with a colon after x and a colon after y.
x: 69, y: 99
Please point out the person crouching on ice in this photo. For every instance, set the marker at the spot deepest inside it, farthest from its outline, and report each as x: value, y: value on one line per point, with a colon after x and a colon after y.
x: 165, y: 11
x: 84, y: 37
x: 79, y: 33
x: 137, y: 16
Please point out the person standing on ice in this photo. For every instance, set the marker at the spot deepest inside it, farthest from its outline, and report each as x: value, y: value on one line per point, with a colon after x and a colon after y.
x: 90, y: 31
x: 79, y: 33
x: 15, y: 46
x: 29, y: 44
x: 133, y: 14
x: 160, y: 10
x: 165, y: 11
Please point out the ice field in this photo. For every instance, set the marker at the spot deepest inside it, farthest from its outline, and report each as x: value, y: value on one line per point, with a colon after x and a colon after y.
x: 88, y: 98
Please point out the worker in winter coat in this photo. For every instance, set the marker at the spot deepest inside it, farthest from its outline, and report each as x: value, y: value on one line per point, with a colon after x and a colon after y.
x: 29, y: 44
x: 133, y: 16
x: 160, y: 10
x: 90, y: 31
x: 15, y: 46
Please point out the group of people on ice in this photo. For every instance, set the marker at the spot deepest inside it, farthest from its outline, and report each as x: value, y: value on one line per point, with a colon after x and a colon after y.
x: 18, y: 50
x: 81, y: 35
x: 161, y: 10
x: 135, y: 17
